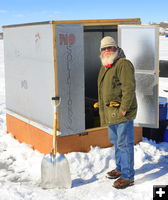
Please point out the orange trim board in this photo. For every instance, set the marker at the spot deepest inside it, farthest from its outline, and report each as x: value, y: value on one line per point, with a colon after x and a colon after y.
x: 42, y: 141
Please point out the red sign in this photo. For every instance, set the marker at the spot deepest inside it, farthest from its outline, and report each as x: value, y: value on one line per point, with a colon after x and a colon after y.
x: 67, y: 39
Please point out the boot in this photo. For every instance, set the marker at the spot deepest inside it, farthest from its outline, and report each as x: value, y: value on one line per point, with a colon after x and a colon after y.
x: 122, y: 183
x: 113, y: 174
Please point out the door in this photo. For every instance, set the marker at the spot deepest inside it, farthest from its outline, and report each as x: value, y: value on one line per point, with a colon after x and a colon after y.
x: 70, y: 69
x: 140, y: 45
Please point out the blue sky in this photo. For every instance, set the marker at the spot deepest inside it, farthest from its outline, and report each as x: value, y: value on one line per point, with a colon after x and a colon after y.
x: 27, y: 11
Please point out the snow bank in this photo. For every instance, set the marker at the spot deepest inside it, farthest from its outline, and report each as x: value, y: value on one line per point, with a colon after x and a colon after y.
x: 20, y: 172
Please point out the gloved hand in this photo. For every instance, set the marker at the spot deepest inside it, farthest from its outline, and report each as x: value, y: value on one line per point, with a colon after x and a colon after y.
x: 96, y: 105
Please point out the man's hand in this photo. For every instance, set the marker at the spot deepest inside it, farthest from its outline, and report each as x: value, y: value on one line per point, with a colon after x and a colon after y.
x: 122, y: 112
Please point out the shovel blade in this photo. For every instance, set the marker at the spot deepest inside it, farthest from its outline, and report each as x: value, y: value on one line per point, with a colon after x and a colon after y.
x: 55, y: 172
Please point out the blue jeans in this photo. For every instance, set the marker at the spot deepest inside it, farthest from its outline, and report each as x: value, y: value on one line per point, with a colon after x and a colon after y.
x: 122, y: 136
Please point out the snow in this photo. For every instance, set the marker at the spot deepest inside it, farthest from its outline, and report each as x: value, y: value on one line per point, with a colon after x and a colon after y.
x: 163, y: 87
x: 20, y: 167
x: 163, y: 45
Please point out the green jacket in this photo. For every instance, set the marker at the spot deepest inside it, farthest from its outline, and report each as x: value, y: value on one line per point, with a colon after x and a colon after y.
x: 117, y: 84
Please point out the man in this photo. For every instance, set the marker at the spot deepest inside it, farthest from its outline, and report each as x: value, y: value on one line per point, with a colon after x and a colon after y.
x: 118, y: 108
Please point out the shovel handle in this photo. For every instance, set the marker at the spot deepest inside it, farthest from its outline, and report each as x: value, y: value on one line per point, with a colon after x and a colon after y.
x: 55, y: 98
x: 57, y: 101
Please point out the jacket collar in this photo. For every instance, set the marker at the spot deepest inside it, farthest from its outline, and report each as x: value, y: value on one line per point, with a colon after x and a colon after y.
x: 120, y: 54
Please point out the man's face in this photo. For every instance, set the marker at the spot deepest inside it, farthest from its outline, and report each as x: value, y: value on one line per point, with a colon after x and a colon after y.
x: 108, y: 54
x: 108, y: 51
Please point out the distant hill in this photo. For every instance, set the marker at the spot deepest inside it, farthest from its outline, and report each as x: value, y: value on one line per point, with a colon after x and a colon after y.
x: 1, y: 35
x: 163, y: 27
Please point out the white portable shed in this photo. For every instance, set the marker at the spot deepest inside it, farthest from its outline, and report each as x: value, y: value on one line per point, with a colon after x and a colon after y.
x: 62, y: 57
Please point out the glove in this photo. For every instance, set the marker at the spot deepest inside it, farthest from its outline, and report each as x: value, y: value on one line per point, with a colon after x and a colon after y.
x: 96, y: 105
x: 114, y: 104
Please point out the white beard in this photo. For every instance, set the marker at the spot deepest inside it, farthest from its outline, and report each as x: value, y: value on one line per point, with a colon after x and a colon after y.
x: 108, y: 59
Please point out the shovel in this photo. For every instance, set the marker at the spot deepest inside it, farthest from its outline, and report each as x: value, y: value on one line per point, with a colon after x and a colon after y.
x: 55, y: 172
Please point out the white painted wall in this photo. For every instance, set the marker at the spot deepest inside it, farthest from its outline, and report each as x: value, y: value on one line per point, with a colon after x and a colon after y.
x: 29, y: 71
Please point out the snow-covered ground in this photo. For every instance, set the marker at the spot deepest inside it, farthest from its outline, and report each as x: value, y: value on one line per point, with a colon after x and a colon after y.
x: 163, y: 87
x: 163, y: 45
x: 20, y: 168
